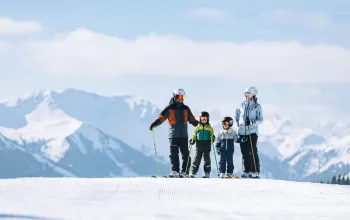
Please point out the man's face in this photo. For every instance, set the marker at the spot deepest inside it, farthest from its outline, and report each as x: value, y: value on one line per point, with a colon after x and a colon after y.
x: 180, y: 98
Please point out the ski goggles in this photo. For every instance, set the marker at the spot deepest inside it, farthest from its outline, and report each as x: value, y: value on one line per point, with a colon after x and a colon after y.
x: 225, y: 123
x: 204, y: 118
x: 181, y: 97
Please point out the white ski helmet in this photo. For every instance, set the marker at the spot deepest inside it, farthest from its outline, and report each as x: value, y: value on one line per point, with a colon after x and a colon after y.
x: 179, y: 91
x: 251, y: 91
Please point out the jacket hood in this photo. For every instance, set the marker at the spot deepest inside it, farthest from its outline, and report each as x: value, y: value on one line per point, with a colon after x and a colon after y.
x: 172, y: 101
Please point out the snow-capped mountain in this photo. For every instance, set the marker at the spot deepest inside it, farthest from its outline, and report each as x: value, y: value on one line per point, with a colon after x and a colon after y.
x: 76, y: 133
x: 58, y: 134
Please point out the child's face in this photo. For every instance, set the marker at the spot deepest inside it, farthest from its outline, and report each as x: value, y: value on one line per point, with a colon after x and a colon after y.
x: 204, y: 120
x: 225, y: 124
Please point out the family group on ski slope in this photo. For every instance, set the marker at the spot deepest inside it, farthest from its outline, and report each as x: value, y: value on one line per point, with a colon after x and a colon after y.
x: 248, y: 116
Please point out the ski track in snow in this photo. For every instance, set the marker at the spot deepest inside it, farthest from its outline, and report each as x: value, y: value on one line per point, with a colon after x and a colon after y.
x: 151, y: 198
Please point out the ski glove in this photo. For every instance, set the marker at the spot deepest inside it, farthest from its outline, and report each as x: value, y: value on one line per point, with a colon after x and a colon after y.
x: 213, y: 139
x: 192, y: 142
x: 242, y: 140
x: 152, y: 126
x: 249, y: 122
x: 218, y: 151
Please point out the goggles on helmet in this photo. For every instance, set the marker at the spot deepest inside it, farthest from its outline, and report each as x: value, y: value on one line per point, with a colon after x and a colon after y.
x: 181, y: 97
x: 225, y: 123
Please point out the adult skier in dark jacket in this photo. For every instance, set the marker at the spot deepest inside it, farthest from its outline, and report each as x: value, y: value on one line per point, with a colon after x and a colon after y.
x: 178, y: 115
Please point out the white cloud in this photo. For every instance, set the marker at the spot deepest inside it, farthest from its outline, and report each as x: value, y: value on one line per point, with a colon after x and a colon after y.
x: 12, y: 27
x: 85, y: 53
x: 211, y: 14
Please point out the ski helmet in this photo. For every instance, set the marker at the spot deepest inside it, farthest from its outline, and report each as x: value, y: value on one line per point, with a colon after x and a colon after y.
x: 179, y: 92
x: 251, y: 91
x: 229, y: 120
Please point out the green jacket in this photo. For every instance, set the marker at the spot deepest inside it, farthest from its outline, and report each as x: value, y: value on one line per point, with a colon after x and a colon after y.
x: 203, y: 133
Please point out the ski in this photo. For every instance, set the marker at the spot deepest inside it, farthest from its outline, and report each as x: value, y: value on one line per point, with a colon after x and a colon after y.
x: 159, y: 176
x: 233, y: 176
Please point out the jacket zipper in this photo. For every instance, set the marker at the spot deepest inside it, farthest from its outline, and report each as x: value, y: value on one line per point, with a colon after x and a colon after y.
x: 226, y: 140
x: 203, y: 132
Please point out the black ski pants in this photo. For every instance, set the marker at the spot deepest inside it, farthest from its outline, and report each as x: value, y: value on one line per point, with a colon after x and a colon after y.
x: 250, y: 157
x: 226, y: 157
x: 177, y: 144
x: 202, y: 151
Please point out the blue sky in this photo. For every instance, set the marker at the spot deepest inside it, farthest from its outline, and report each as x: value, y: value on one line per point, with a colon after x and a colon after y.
x: 213, y: 49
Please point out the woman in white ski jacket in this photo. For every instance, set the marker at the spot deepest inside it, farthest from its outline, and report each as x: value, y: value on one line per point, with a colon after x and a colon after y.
x: 248, y: 117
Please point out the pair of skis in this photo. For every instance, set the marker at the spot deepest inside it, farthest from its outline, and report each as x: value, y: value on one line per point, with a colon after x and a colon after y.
x: 233, y: 176
x: 224, y: 177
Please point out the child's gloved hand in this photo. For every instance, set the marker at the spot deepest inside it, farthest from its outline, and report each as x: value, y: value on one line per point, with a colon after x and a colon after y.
x: 192, y: 142
x: 242, y: 139
x: 218, y: 151
x: 249, y: 122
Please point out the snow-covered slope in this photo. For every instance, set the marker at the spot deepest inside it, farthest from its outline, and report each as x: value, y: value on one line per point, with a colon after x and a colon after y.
x: 145, y: 198
x: 86, y: 134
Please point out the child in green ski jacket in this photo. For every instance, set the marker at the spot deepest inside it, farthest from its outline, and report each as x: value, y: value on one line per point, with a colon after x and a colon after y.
x: 203, y: 136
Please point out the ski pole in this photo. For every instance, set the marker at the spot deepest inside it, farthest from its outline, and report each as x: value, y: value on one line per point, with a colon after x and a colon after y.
x: 155, y: 151
x: 188, y: 158
x: 251, y: 145
x: 216, y: 162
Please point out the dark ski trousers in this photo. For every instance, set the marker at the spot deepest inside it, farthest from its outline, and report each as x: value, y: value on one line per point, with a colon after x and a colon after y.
x: 226, y: 157
x: 202, y: 150
x: 177, y: 144
x: 247, y: 154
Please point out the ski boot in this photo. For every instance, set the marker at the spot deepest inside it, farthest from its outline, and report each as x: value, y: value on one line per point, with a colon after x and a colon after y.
x: 206, y: 175
x: 174, y: 174
x: 246, y: 175
x: 255, y: 175
x: 229, y: 175
x: 183, y: 175
x: 222, y: 175
x: 193, y: 175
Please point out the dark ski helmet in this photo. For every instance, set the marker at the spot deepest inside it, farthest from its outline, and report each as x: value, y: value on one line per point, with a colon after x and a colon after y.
x: 229, y: 120
x: 205, y: 114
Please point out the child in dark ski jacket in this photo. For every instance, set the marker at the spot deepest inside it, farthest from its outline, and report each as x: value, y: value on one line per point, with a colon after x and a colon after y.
x: 225, y: 147
x: 203, y: 136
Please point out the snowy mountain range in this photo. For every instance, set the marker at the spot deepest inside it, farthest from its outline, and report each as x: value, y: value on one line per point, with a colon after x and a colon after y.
x: 77, y: 133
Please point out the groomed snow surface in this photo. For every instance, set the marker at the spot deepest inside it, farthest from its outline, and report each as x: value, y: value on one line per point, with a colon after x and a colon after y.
x: 150, y: 198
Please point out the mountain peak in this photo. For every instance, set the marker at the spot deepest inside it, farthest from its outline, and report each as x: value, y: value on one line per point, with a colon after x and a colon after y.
x: 38, y: 93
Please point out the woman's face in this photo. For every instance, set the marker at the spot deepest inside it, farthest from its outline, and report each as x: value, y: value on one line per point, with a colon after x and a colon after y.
x: 248, y: 95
